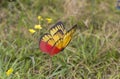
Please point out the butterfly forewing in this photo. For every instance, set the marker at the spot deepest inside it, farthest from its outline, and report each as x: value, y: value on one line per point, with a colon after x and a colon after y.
x: 57, y: 27
x: 58, y: 35
x: 68, y: 36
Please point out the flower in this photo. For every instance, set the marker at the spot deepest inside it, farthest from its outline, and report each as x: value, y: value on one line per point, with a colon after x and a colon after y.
x: 38, y: 27
x: 49, y: 20
x: 40, y: 18
x: 9, y: 71
x: 32, y: 31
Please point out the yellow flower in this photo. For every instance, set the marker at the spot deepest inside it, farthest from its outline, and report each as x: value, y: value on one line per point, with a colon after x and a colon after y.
x: 38, y: 27
x: 9, y: 71
x: 40, y: 18
x: 49, y: 20
x: 32, y: 31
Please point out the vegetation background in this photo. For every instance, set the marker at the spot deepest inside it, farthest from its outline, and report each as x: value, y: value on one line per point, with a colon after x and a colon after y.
x: 94, y: 52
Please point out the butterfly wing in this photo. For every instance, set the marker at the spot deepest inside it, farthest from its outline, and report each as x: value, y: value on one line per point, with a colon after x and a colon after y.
x: 57, y: 47
x: 68, y: 36
x: 57, y: 27
x: 48, y: 41
x: 56, y: 40
x: 57, y: 31
x: 63, y: 42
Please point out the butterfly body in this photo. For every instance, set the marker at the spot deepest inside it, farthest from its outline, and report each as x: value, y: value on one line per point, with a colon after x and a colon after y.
x: 57, y: 39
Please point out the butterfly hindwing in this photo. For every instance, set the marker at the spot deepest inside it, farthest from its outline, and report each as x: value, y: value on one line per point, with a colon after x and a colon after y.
x: 48, y: 40
x: 57, y: 47
x: 46, y: 43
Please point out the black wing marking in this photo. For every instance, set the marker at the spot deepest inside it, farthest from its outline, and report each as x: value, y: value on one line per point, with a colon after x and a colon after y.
x: 56, y: 27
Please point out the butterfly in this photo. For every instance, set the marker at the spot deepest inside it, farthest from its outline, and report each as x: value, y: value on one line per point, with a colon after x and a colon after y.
x: 56, y: 39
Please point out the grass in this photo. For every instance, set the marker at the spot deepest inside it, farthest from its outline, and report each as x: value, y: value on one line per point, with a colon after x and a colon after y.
x: 94, y: 52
